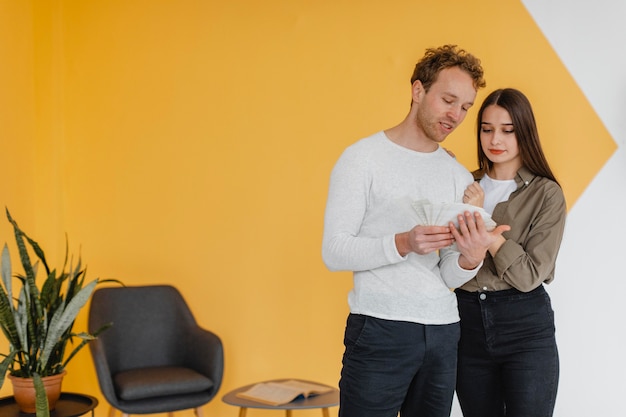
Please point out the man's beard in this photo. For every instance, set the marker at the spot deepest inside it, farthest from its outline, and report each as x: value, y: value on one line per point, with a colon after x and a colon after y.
x: 431, y: 127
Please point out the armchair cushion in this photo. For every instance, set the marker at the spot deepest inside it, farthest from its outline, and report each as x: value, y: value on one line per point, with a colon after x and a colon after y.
x: 139, y: 384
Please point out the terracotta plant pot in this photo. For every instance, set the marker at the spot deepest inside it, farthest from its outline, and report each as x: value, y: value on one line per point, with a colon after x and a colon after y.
x: 24, y: 391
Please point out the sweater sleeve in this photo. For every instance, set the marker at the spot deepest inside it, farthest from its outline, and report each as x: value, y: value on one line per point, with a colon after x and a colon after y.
x: 343, y: 248
x: 453, y: 275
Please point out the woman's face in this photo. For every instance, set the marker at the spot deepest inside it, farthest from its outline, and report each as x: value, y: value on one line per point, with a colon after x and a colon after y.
x: 497, y: 137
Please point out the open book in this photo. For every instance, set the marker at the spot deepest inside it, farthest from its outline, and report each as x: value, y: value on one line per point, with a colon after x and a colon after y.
x: 282, y: 392
x: 430, y: 214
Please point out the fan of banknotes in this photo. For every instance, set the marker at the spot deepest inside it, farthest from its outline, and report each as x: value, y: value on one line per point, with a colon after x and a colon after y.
x: 440, y: 214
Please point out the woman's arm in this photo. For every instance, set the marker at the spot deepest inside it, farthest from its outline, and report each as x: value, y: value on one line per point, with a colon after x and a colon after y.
x: 525, y: 265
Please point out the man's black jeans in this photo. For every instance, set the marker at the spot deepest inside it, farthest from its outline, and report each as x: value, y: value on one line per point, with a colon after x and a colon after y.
x: 391, y: 366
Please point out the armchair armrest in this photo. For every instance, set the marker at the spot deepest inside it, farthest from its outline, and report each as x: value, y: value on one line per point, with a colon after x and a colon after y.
x: 103, y: 371
x: 205, y: 354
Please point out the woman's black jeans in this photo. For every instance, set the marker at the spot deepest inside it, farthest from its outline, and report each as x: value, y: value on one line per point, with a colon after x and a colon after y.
x: 508, y: 363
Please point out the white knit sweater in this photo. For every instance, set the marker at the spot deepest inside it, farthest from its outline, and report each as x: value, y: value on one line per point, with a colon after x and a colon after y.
x: 371, y: 189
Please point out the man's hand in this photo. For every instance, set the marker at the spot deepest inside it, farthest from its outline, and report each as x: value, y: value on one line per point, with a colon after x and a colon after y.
x: 424, y: 239
x: 473, y: 240
x: 474, y: 195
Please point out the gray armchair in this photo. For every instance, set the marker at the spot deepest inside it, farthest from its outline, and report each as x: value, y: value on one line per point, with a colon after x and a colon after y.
x: 154, y: 358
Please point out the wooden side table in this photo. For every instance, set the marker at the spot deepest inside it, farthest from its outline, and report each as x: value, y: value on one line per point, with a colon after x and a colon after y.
x: 322, y: 401
x: 68, y: 405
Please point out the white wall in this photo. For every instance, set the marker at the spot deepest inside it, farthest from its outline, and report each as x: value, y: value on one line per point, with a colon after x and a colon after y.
x: 588, y: 291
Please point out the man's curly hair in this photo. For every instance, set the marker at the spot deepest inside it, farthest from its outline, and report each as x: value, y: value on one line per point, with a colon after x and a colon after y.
x: 447, y: 56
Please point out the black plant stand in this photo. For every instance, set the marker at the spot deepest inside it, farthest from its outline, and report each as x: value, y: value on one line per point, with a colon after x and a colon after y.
x: 68, y: 405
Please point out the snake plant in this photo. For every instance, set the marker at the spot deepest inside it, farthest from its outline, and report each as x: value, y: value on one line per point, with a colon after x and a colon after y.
x: 38, y: 321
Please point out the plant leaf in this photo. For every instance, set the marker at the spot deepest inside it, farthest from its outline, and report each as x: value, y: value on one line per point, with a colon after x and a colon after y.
x: 5, y: 365
x: 21, y: 321
x: 7, y: 279
x: 86, y: 338
x: 63, y: 319
x: 7, y: 319
x: 41, y: 399
x: 33, y: 304
x: 21, y: 246
x: 38, y: 252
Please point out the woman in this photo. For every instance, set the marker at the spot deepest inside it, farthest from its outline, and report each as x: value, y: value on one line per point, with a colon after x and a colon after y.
x: 508, y: 359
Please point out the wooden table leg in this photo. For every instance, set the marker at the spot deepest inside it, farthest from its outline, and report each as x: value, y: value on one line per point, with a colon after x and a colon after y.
x: 288, y: 412
x: 325, y: 412
x: 242, y: 411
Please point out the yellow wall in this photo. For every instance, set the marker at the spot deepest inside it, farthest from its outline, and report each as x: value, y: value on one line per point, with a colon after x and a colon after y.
x: 17, y: 113
x: 190, y: 142
x: 17, y: 126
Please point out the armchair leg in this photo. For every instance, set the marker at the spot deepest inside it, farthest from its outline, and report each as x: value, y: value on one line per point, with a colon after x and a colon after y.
x: 197, y: 411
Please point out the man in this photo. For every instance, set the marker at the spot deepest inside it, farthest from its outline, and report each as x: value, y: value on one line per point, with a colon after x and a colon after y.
x: 402, y: 332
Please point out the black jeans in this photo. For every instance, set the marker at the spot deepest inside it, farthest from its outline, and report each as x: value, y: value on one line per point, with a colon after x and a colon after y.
x: 391, y: 366
x: 508, y: 359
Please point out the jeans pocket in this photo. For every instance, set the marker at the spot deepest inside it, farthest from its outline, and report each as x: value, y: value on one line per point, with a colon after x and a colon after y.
x: 354, y: 329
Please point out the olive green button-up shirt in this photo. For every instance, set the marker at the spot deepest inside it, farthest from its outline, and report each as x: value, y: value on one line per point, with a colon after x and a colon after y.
x: 536, y: 212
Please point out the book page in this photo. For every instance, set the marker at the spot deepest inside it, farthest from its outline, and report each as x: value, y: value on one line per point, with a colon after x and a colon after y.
x: 305, y: 388
x: 282, y: 392
x: 441, y: 214
x: 271, y: 393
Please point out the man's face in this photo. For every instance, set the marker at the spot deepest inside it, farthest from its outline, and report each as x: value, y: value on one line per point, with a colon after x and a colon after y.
x: 445, y: 105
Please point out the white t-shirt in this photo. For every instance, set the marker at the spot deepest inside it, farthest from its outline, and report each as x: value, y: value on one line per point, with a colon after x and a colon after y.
x: 496, y: 191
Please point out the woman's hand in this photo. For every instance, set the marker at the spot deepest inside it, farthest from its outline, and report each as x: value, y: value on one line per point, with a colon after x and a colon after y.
x: 473, y: 240
x: 474, y: 195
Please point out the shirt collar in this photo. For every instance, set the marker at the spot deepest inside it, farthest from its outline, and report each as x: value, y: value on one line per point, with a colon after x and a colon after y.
x: 523, y: 177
